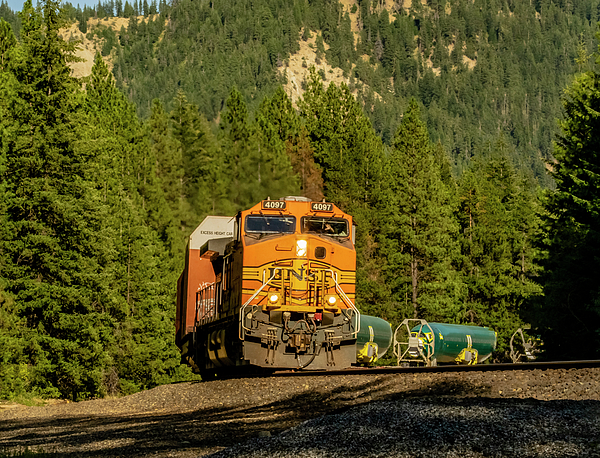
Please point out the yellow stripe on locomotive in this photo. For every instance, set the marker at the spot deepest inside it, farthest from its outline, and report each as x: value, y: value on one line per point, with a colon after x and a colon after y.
x: 293, y: 286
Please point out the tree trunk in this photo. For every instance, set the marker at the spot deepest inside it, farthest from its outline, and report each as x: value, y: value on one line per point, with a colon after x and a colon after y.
x: 414, y: 275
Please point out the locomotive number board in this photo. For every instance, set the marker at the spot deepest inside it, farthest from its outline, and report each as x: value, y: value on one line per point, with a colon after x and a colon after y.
x: 321, y: 207
x: 273, y: 205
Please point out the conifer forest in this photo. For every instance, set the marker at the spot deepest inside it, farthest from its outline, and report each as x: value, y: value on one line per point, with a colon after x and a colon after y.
x: 463, y: 140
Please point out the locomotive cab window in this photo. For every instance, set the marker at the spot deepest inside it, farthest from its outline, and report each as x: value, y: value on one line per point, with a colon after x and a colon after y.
x: 263, y: 225
x: 332, y: 227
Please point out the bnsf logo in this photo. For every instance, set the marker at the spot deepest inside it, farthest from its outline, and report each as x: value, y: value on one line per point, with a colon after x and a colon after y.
x: 298, y: 274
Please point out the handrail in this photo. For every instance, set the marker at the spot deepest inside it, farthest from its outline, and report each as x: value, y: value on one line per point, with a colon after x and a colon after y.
x: 277, y: 270
x: 243, y: 307
x: 345, y: 298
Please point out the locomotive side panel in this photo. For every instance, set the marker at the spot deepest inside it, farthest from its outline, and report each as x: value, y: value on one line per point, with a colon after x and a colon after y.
x: 196, y: 291
x: 197, y: 274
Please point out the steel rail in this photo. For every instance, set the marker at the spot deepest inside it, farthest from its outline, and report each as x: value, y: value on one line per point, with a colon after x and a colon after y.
x: 499, y: 367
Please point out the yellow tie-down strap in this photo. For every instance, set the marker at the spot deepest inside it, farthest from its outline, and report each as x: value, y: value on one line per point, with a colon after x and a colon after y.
x: 468, y: 356
x: 368, y: 353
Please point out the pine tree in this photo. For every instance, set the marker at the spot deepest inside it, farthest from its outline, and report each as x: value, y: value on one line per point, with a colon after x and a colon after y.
x: 497, y: 214
x: 170, y: 165
x: 7, y: 43
x: 420, y: 231
x: 277, y: 117
x: 14, y: 372
x: 302, y: 159
x: 279, y: 125
x: 10, y: 16
x: 570, y: 312
x: 162, y: 147
x: 144, y: 265
x: 128, y: 10
x: 345, y: 145
x: 204, y: 178
x: 350, y: 155
x: 258, y: 168
x: 53, y: 244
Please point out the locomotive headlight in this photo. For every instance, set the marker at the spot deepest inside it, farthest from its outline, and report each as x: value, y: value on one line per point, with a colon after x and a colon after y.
x: 273, y: 298
x: 331, y: 300
x: 301, y: 247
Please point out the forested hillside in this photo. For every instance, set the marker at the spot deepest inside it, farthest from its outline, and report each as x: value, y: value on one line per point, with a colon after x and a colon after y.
x: 435, y: 145
x: 480, y: 70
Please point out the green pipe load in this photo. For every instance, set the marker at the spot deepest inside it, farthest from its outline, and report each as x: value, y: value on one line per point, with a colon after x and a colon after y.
x: 373, y: 340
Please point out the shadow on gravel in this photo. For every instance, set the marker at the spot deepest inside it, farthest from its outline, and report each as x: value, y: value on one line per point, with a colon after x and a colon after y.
x: 440, y: 427
x: 210, y: 429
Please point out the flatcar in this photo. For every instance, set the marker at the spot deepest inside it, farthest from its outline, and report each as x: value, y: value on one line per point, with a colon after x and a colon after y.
x: 271, y: 288
x: 418, y: 342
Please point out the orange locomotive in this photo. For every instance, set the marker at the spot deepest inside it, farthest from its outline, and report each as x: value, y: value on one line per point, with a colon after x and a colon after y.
x: 272, y: 287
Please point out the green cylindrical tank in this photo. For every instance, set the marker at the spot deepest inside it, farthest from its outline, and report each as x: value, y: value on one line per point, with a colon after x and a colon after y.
x: 373, y: 340
x: 458, y: 343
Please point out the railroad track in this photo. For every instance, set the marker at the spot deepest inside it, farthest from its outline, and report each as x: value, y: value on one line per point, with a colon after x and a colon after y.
x: 449, y: 368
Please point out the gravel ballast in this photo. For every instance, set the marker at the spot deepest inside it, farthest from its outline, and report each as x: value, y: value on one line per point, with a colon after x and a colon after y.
x: 440, y: 428
x: 532, y: 413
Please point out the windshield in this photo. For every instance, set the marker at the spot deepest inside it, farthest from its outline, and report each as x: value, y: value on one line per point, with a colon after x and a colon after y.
x: 270, y: 224
x: 332, y: 227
